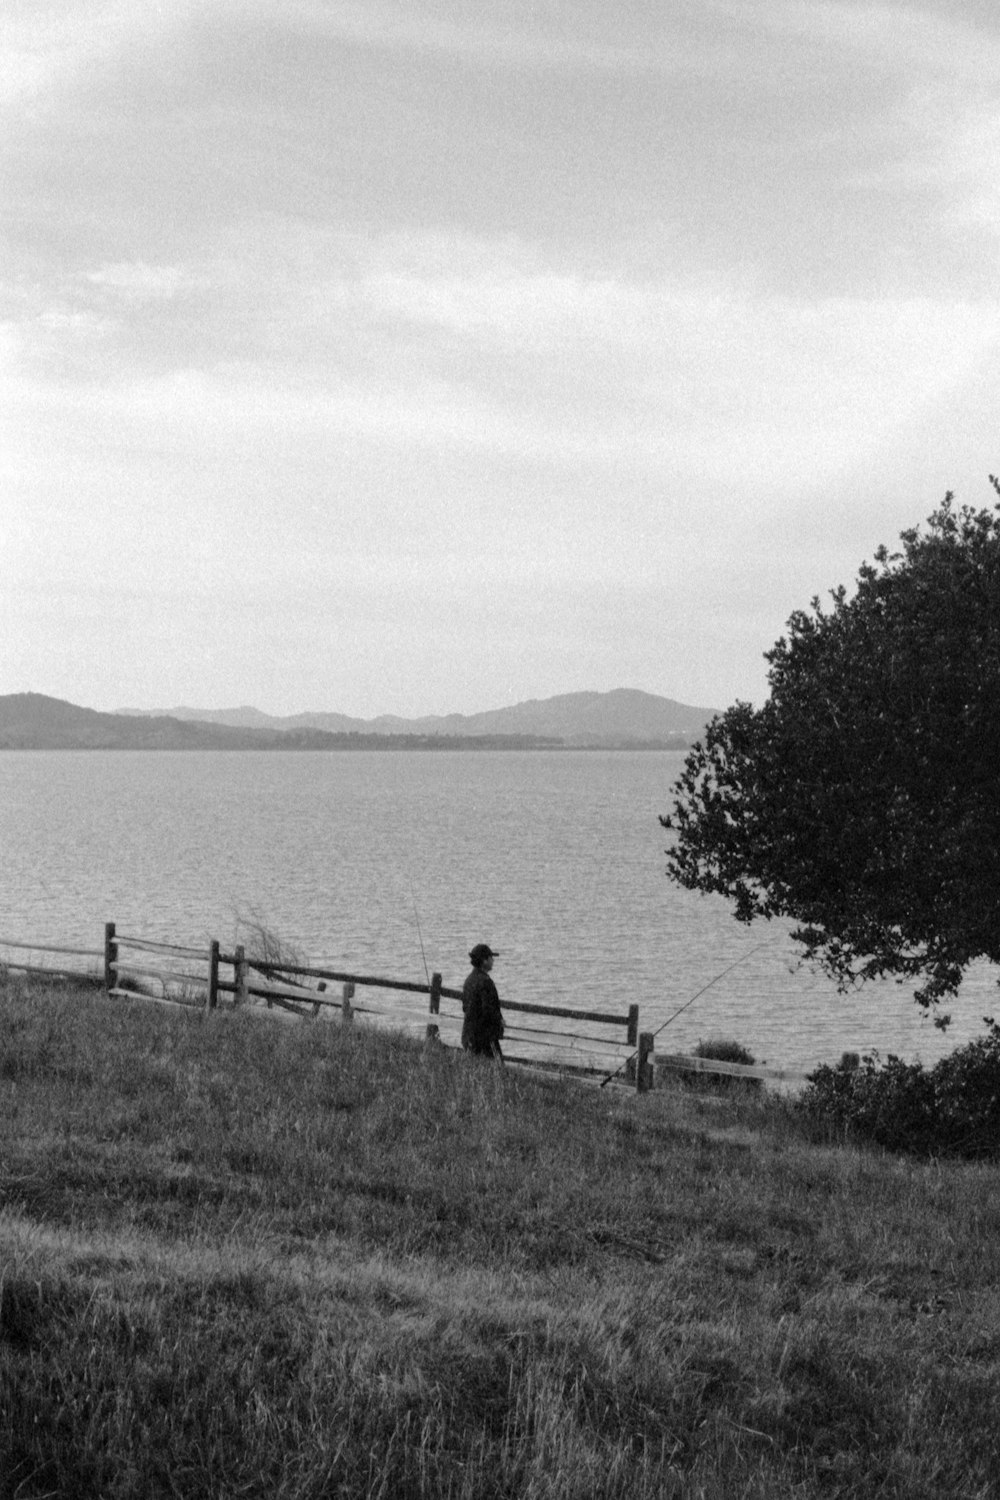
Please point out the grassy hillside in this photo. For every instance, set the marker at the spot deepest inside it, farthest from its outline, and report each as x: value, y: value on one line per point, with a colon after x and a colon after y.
x: 245, y: 1258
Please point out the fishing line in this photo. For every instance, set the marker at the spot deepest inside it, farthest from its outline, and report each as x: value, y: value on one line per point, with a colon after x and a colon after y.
x: 416, y: 918
x: 708, y: 986
x: 681, y: 1008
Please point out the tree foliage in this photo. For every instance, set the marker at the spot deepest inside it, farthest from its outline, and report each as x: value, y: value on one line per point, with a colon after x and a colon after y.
x: 862, y: 800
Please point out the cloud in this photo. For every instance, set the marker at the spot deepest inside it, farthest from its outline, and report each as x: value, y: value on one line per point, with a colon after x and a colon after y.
x: 940, y: 99
x: 555, y: 371
x: 580, y: 39
x: 461, y: 344
x: 333, y: 290
x: 507, y: 305
x: 137, y: 281
x: 616, y: 370
x: 44, y: 48
x: 902, y: 39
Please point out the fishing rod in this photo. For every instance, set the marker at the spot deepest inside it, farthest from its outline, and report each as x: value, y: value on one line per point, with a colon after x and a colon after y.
x: 416, y: 918
x: 681, y: 1008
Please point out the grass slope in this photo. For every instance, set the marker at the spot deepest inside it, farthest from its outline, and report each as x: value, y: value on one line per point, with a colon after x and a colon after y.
x: 239, y: 1258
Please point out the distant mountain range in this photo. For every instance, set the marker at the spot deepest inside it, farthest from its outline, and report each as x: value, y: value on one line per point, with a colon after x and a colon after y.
x: 621, y: 716
x: 621, y: 719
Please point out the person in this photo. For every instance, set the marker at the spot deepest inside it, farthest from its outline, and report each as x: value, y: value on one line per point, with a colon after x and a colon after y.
x: 482, y: 1028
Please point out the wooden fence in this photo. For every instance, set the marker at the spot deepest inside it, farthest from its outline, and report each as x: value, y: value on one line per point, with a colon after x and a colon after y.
x: 145, y: 968
x: 608, y: 1034
x: 541, y: 1036
x: 49, y: 971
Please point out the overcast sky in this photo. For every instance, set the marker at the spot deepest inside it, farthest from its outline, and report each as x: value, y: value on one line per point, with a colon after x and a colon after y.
x: 413, y: 356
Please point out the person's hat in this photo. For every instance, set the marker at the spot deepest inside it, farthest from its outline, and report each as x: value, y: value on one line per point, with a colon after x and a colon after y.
x: 481, y: 951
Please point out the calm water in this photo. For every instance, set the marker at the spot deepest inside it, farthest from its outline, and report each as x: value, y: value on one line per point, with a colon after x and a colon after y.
x: 359, y: 858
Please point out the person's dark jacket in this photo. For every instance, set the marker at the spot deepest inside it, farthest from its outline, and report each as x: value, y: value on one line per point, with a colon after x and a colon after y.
x: 483, y: 1025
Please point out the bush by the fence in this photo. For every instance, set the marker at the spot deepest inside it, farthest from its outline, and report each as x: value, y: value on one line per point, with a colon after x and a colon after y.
x: 721, y: 1049
x: 724, y: 1049
x: 950, y: 1109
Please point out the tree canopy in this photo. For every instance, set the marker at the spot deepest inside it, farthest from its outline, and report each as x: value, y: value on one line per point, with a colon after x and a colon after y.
x: 862, y: 800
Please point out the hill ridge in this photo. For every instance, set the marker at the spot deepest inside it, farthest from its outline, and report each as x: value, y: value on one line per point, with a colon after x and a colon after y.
x: 585, y: 717
x: 622, y: 719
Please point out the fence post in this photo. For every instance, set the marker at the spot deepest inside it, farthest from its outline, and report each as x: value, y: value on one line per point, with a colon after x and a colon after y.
x: 317, y: 1007
x: 240, y: 976
x: 632, y: 1040
x: 212, y: 999
x: 348, y: 995
x: 643, y: 1066
x: 433, y: 1034
x: 110, y: 958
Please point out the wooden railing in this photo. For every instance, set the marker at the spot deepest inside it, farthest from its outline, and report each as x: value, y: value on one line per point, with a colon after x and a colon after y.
x: 611, y: 1041
x: 680, y: 1062
x: 50, y: 971
x: 193, y: 975
x: 607, y: 1036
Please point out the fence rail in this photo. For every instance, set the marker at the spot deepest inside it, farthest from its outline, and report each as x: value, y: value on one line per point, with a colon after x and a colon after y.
x: 678, y: 1061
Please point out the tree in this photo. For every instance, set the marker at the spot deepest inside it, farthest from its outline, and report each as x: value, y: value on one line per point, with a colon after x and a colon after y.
x: 863, y: 799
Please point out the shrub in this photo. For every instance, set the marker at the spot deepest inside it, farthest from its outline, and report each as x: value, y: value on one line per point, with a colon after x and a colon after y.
x: 722, y: 1049
x: 950, y: 1109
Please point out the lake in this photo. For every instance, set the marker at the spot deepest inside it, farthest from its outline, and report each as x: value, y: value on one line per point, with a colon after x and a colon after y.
x: 375, y: 862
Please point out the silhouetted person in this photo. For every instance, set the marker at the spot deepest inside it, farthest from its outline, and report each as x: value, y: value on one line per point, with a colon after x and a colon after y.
x: 482, y: 1028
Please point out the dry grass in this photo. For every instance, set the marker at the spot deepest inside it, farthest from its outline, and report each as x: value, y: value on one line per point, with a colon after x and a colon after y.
x: 247, y: 1259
